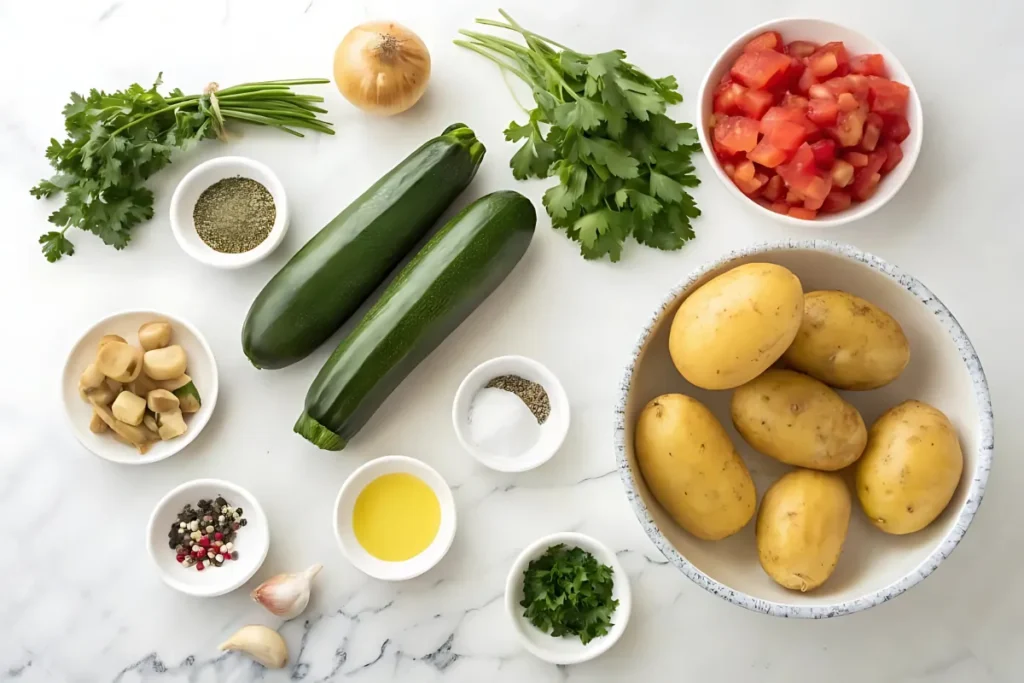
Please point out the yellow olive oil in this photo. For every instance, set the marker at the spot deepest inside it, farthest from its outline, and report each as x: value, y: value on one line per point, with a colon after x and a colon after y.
x: 396, y: 517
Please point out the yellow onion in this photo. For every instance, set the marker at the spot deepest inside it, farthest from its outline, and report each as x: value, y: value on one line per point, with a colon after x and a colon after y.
x: 382, y: 67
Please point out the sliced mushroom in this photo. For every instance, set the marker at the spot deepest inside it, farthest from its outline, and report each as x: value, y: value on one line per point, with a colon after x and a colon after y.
x: 150, y: 422
x: 128, y: 407
x: 107, y: 338
x: 166, y: 363
x: 171, y: 424
x: 119, y: 361
x: 142, y: 385
x: 174, y: 384
x: 104, y: 394
x: 96, y: 424
x: 155, y: 335
x: 138, y: 436
x: 161, y: 401
x: 91, y: 377
x: 188, y: 398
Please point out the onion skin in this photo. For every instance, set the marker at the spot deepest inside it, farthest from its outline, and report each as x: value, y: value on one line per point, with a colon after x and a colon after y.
x: 382, y: 67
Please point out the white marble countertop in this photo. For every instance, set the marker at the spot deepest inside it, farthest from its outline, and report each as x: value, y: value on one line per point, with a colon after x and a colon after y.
x: 80, y: 599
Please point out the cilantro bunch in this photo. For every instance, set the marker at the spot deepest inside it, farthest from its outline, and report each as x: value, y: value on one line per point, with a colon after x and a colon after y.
x: 566, y: 591
x: 600, y: 127
x: 116, y: 141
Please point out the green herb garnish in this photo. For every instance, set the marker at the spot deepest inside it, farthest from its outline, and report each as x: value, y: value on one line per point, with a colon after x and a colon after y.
x: 623, y: 165
x: 566, y: 591
x: 115, y: 141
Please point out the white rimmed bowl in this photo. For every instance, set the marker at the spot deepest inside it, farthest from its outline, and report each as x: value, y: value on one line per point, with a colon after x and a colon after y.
x: 944, y: 371
x: 202, y: 367
x: 552, y: 432
x: 195, y: 182
x: 345, y: 504
x: 251, y: 542
x: 566, y: 650
x: 819, y: 31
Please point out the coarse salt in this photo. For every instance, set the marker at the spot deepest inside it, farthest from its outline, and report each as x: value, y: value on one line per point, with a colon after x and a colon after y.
x: 501, y: 424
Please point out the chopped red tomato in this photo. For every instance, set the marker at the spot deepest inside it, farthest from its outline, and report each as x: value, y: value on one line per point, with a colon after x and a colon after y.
x: 868, y: 65
x: 849, y: 128
x: 767, y: 154
x: 824, y: 153
x: 759, y: 69
x: 754, y: 103
x: 888, y: 97
x: 801, y: 48
x: 800, y: 212
x: 793, y: 115
x: 842, y: 173
x: 774, y: 189
x: 822, y: 63
x: 823, y: 112
x: 893, y: 155
x: 791, y: 101
x: 736, y: 134
x: 896, y: 128
x: 802, y: 128
x: 769, y: 40
x: 727, y: 98
x: 836, y: 201
x: 857, y: 159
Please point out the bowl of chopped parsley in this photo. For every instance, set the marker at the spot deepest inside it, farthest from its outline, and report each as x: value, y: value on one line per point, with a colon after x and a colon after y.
x: 568, y: 598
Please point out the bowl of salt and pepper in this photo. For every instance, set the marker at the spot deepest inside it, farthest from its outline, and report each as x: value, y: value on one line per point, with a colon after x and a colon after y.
x: 511, y: 413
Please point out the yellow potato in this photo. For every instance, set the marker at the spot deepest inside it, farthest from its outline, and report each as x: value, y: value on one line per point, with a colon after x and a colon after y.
x: 801, y: 528
x: 798, y: 420
x: 847, y: 342
x: 733, y: 327
x: 692, y: 468
x: 910, y: 468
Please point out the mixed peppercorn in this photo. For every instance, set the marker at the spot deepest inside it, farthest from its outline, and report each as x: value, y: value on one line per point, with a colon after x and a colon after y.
x: 204, y: 535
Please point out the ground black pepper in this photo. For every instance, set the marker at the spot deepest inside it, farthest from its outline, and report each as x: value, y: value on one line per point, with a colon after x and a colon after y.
x: 531, y: 393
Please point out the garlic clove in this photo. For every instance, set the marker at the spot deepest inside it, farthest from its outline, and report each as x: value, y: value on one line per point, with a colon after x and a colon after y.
x: 263, y: 644
x: 286, y: 595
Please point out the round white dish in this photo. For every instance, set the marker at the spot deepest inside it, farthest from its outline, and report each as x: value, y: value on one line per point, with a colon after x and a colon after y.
x: 201, y: 367
x: 204, y: 175
x: 944, y: 371
x: 345, y: 503
x: 552, y: 432
x: 819, y: 31
x: 566, y: 650
x: 252, y: 541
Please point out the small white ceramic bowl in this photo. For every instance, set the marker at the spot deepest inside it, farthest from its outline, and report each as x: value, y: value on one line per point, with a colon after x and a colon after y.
x: 818, y: 31
x: 201, y: 367
x: 566, y: 650
x: 251, y: 542
x: 552, y: 432
x: 204, y: 175
x: 345, y: 504
x: 944, y: 371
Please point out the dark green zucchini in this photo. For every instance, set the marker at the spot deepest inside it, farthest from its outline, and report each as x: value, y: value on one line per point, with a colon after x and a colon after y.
x: 334, y: 273
x: 460, y: 266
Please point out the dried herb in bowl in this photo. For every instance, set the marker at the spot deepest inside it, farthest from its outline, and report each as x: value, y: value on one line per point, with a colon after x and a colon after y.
x: 566, y: 591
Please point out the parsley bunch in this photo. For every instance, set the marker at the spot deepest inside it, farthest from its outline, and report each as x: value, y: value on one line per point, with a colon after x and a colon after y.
x: 566, y: 591
x: 623, y: 166
x: 115, y: 141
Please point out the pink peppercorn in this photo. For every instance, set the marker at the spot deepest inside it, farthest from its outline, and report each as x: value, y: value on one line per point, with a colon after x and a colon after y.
x: 219, y: 536
x: 180, y: 558
x: 199, y: 566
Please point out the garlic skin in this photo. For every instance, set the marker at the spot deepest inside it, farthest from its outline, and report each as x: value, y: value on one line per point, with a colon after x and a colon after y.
x: 263, y: 644
x: 286, y: 595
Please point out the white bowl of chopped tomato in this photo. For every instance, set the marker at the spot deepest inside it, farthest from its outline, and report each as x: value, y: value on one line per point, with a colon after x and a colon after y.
x: 807, y: 120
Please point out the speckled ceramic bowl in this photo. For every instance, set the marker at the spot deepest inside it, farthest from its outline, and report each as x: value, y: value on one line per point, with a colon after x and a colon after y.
x: 944, y: 371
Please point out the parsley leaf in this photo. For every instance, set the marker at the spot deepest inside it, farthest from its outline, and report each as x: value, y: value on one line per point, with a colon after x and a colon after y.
x: 600, y: 126
x: 567, y: 592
